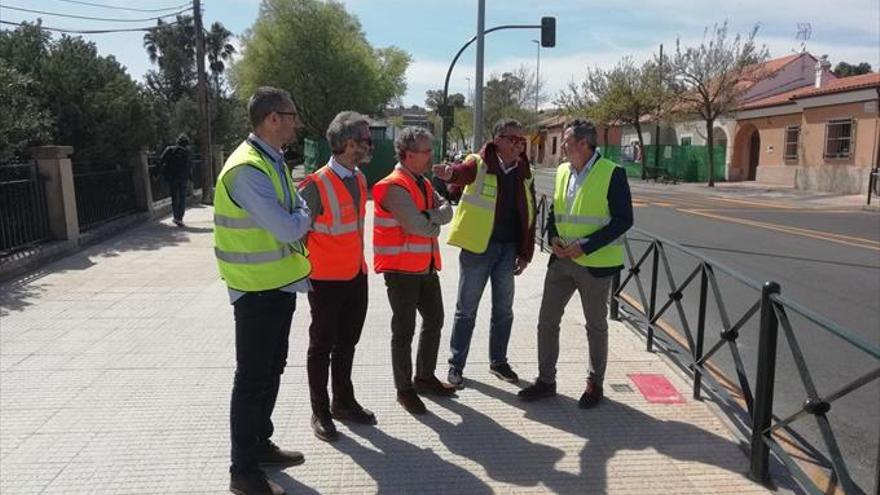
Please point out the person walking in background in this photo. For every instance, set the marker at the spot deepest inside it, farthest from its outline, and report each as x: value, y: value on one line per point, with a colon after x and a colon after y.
x: 175, y: 166
x: 337, y: 195
x: 408, y: 216
x: 259, y: 224
x: 591, y: 211
x: 494, y: 225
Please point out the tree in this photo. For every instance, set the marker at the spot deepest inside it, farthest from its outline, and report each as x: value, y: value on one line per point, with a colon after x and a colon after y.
x: 628, y: 94
x: 843, y: 69
x: 318, y: 52
x: 434, y: 99
x: 510, y: 95
x: 24, y: 122
x: 64, y: 91
x: 713, y: 76
x: 219, y: 51
x: 96, y: 105
x: 171, y: 46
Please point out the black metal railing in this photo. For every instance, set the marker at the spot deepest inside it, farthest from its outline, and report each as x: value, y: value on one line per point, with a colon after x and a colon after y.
x: 24, y: 219
x: 104, y: 191
x: 648, y: 255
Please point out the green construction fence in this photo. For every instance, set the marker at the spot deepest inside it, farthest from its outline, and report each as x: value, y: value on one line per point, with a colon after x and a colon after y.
x: 685, y: 163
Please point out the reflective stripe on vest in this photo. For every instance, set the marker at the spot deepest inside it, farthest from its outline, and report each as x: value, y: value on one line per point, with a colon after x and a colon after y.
x: 588, y: 213
x: 394, y: 249
x: 336, y: 239
x: 474, y: 219
x: 249, y: 257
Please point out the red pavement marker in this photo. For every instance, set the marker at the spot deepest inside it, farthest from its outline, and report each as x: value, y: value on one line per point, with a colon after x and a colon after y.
x: 656, y: 388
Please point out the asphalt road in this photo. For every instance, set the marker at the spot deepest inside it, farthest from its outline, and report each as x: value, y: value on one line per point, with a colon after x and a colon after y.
x: 826, y: 259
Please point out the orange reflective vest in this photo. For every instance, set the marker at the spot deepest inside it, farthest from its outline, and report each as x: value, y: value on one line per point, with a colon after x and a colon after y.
x: 394, y: 249
x: 337, y: 235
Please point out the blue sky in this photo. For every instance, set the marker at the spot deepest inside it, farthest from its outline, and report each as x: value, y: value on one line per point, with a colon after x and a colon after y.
x: 589, y: 32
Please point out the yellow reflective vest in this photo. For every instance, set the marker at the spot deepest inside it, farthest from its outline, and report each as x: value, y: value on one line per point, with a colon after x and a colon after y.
x: 588, y: 213
x: 249, y: 257
x: 474, y: 219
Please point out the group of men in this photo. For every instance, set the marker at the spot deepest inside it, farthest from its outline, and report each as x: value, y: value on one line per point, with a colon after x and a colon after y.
x: 274, y: 239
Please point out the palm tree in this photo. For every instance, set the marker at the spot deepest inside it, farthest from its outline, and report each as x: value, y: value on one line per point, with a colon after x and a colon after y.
x: 171, y: 46
x: 219, y: 50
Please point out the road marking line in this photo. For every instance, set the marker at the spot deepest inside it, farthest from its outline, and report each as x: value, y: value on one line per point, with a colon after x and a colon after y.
x: 815, y: 234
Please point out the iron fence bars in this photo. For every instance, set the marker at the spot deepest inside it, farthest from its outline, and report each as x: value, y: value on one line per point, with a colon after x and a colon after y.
x: 24, y: 217
x: 104, y: 191
x: 767, y: 313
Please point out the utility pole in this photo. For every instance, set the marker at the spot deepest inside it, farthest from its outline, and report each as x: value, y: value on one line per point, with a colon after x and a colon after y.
x: 537, y: 75
x: 657, y: 123
x: 478, y: 80
x: 207, y: 168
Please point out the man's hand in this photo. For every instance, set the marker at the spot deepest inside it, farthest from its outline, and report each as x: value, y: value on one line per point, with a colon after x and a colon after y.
x: 443, y: 171
x: 557, y: 247
x: 521, y: 265
x: 573, y: 250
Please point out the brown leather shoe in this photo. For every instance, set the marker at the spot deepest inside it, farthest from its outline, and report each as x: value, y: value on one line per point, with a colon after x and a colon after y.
x: 272, y: 455
x: 254, y: 483
x: 591, y: 396
x: 411, y: 401
x: 433, y: 386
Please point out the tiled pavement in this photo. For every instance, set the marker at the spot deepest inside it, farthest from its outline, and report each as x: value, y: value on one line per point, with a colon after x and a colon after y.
x: 116, y: 366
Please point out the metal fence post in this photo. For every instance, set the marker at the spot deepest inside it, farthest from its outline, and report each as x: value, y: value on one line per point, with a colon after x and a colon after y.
x: 764, y: 381
x: 701, y: 330
x: 615, y: 304
x: 652, y: 308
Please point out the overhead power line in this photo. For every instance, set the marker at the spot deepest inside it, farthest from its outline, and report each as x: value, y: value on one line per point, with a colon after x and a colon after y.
x: 72, y: 16
x: 131, y: 9
x: 90, y: 31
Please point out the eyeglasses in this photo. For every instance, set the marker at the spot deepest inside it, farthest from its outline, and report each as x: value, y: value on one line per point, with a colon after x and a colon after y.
x: 421, y: 151
x: 364, y: 140
x: 292, y: 114
x: 515, y: 139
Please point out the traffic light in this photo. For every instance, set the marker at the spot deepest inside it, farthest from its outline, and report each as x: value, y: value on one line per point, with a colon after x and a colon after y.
x: 548, y: 32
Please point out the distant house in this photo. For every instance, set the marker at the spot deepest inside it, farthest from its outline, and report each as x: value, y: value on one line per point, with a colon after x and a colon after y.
x: 545, y: 143
x: 822, y: 137
x: 779, y: 75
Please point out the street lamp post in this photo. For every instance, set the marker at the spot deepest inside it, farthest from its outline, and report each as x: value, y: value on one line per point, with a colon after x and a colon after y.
x: 537, y: 74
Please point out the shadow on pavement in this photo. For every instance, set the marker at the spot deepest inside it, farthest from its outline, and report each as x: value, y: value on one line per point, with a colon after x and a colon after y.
x: 398, y: 466
x: 634, y: 431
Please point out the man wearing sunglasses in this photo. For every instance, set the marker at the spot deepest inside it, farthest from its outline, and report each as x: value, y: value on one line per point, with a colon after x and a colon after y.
x: 337, y: 194
x: 494, y: 225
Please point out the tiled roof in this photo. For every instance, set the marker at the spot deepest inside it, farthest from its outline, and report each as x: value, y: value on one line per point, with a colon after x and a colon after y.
x: 840, y: 85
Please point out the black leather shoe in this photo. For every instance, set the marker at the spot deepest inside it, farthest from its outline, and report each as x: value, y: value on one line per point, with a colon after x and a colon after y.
x: 355, y: 414
x: 539, y: 390
x: 254, y: 483
x: 433, y: 386
x: 411, y: 401
x: 324, y: 428
x: 272, y: 455
x: 591, y: 396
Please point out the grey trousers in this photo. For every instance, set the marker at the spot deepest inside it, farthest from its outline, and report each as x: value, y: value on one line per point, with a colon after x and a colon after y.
x: 563, y: 278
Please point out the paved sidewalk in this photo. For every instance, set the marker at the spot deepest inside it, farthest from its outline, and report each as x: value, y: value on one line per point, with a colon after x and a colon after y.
x: 116, y: 366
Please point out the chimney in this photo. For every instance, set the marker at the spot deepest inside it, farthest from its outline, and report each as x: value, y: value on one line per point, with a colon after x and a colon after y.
x: 823, y: 67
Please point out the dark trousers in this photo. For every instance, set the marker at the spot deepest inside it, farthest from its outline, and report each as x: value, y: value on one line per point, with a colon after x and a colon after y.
x: 408, y: 294
x: 338, y: 312
x: 178, y: 189
x: 262, y: 327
